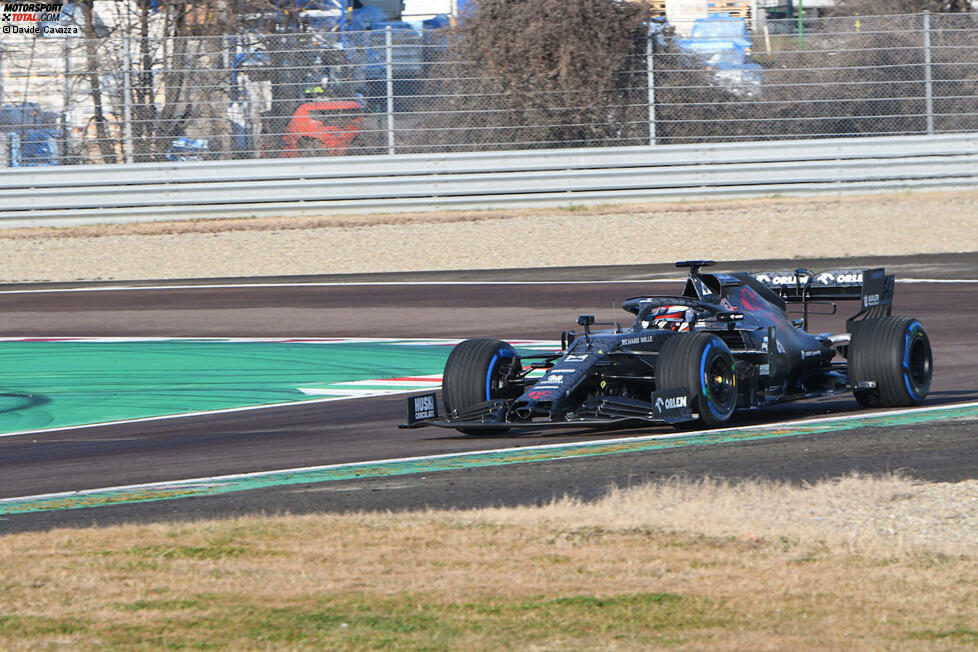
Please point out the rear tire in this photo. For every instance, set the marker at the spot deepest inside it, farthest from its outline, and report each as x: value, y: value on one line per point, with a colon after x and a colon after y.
x: 895, y: 353
x: 701, y: 363
x: 476, y: 372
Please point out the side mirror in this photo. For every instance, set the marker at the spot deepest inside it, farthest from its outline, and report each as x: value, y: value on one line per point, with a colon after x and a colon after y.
x: 586, y: 321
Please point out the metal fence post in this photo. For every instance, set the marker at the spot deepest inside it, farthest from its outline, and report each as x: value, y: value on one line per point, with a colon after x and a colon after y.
x: 390, y: 90
x: 650, y: 83
x: 66, y: 89
x: 801, y: 24
x: 228, y: 145
x: 758, y: 17
x: 928, y: 76
x: 127, y: 97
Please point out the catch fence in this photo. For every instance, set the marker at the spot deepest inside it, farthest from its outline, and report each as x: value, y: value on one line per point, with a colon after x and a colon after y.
x: 129, y: 97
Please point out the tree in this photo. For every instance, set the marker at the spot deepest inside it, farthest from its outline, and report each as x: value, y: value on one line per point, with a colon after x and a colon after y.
x: 546, y: 73
x: 104, y: 142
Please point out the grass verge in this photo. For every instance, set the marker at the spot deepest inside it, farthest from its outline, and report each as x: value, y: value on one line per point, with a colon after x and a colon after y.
x: 855, y: 563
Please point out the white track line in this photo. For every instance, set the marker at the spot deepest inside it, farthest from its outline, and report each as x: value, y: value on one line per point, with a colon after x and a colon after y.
x: 129, y: 288
x: 540, y: 447
x: 228, y: 286
x: 935, y: 280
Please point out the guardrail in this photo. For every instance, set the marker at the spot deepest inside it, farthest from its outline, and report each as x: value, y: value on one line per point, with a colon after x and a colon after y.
x: 148, y: 191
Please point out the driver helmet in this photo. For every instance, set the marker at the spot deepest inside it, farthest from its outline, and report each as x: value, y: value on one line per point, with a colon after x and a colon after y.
x: 672, y: 318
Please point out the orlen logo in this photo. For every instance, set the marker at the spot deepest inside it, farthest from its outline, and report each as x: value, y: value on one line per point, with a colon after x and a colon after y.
x: 670, y: 403
x: 784, y: 280
x: 781, y: 279
x: 827, y: 278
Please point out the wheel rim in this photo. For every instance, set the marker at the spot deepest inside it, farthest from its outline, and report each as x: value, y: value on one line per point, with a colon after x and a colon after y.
x: 720, y: 384
x: 919, y: 363
x: 496, y: 385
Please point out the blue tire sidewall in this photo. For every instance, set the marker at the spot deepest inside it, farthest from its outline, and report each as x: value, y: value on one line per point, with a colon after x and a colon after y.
x: 502, y: 353
x: 708, y: 399
x: 914, y: 332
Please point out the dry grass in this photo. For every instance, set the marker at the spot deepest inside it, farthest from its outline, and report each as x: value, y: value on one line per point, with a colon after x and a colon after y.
x: 699, y: 565
x: 882, y: 515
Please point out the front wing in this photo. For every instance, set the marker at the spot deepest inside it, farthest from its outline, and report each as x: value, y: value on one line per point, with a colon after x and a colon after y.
x: 665, y: 407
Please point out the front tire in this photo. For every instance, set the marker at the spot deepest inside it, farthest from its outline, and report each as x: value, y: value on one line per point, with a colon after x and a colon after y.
x: 703, y: 364
x: 476, y: 372
x: 895, y: 353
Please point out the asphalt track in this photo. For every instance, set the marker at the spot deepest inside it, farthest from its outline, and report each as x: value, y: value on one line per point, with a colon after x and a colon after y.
x: 466, y: 305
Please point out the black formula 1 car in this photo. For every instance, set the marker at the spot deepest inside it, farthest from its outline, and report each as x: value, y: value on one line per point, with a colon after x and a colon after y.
x: 727, y: 342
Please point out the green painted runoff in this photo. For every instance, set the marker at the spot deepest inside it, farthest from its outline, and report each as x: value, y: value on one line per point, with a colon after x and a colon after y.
x: 52, y: 384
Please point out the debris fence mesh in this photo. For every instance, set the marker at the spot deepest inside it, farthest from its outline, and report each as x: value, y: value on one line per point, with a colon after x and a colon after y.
x: 129, y: 97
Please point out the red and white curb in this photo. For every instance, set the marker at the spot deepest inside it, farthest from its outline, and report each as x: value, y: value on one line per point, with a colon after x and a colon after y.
x: 379, y: 387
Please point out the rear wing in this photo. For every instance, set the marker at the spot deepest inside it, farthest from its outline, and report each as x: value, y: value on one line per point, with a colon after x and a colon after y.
x: 873, y: 288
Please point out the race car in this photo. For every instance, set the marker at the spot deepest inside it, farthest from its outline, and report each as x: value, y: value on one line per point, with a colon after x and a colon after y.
x: 727, y: 343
